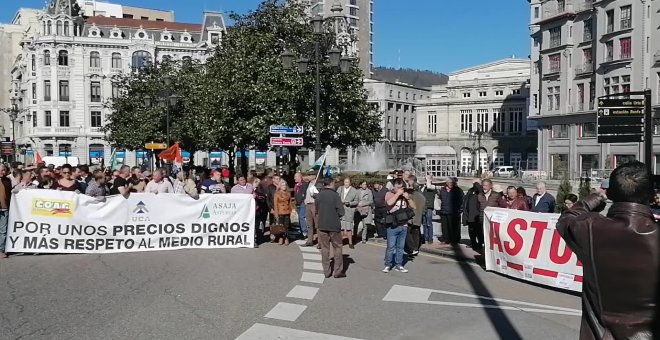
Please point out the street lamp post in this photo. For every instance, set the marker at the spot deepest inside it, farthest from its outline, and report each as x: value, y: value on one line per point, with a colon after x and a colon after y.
x: 13, y: 114
x: 337, y: 58
x: 168, y: 101
x: 477, y: 134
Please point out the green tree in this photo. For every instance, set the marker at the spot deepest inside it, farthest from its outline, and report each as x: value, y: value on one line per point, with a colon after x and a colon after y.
x: 565, y: 188
x: 585, y: 188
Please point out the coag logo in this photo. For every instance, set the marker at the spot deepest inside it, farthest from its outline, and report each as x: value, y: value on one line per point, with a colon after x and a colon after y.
x: 52, y: 207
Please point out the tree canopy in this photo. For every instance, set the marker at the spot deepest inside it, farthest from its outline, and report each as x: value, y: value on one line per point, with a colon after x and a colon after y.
x: 229, y: 100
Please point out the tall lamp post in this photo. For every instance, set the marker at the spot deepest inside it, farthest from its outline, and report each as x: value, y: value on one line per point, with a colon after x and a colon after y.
x: 168, y: 101
x: 338, y: 56
x: 477, y: 135
x: 13, y: 114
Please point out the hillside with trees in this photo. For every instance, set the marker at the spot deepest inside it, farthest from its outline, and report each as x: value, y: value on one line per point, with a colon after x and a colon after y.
x: 419, y: 78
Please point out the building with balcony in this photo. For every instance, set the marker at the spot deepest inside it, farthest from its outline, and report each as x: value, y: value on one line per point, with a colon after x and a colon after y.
x: 477, y: 121
x: 62, y: 77
x: 583, y: 49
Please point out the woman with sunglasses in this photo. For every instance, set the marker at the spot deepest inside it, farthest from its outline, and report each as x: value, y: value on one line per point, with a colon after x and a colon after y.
x: 67, y: 182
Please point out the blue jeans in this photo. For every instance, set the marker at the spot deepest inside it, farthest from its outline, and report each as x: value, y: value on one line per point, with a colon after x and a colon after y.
x: 427, y: 222
x: 396, y: 240
x: 4, y: 221
x: 302, y: 222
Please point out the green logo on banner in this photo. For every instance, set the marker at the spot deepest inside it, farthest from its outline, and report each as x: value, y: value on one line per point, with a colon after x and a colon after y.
x: 205, y: 212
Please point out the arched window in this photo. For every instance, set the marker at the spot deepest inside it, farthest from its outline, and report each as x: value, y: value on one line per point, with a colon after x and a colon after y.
x: 47, y: 57
x: 140, y: 60
x: 49, y: 28
x: 94, y: 59
x: 66, y: 28
x: 59, y: 28
x: 43, y: 28
x: 116, y: 61
x: 63, y: 58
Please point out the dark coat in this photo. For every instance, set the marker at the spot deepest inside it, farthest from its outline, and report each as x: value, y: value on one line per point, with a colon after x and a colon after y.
x: 546, y: 203
x: 471, y: 210
x: 300, y: 195
x: 619, y: 253
x: 494, y: 200
x: 380, y: 206
x: 329, y: 210
x: 450, y: 201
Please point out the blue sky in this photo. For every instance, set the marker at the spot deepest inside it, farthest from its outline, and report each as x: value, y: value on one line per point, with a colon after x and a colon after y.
x: 439, y: 35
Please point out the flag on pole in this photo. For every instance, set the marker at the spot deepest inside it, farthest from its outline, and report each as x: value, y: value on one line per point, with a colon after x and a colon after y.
x: 173, y: 154
x: 113, y: 161
x: 37, y: 158
x: 319, y: 162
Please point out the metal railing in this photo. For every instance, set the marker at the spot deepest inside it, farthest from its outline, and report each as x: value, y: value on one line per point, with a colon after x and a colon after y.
x: 566, y: 8
x: 584, y: 68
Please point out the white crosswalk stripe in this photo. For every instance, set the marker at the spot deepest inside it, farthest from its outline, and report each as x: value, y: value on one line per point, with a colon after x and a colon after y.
x: 267, y: 332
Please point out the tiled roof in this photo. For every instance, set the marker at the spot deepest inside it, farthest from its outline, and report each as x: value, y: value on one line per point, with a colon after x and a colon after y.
x: 146, y: 24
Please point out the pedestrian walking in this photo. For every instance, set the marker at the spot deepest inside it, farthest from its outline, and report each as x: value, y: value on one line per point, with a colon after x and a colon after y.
x: 400, y: 209
x: 330, y: 209
x: 618, y: 292
x: 350, y: 197
x: 543, y: 201
x: 282, y: 211
x: 451, y: 199
x: 364, y: 212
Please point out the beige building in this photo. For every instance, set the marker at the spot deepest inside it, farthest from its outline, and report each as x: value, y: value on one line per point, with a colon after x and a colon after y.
x: 23, y: 24
x: 101, y: 8
x: 360, y: 15
x: 581, y: 50
x: 478, y: 120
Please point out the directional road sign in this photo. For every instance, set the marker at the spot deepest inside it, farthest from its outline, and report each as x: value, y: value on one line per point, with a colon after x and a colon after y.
x: 155, y: 146
x: 286, y: 130
x: 286, y: 141
x: 621, y: 120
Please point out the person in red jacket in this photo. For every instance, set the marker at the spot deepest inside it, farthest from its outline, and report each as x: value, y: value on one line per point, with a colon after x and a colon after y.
x: 514, y: 201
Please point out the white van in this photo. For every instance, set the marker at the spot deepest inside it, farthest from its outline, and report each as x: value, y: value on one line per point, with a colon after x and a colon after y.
x: 61, y: 160
x: 504, y: 171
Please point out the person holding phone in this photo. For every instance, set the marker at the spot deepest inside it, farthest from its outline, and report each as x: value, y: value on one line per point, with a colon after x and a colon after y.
x: 397, y: 225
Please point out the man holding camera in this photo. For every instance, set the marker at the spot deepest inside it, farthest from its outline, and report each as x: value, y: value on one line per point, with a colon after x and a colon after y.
x: 399, y: 204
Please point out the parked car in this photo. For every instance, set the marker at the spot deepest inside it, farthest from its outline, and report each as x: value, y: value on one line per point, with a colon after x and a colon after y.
x: 504, y: 171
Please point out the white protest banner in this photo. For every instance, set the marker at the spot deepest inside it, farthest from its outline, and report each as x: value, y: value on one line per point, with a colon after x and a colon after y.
x: 527, y: 246
x: 51, y: 221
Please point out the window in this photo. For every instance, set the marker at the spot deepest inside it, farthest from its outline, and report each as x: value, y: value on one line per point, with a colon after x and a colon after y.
x: 536, y: 12
x: 64, y: 118
x: 48, y: 118
x: 47, y: 57
x: 116, y: 61
x: 624, y: 44
x: 587, y: 58
x: 432, y: 126
x: 626, y: 17
x: 405, y: 120
x: 516, y: 92
x: 389, y: 119
x: 536, y: 101
x: 64, y: 90
x: 515, y: 120
x: 34, y: 62
x: 144, y: 18
x: 587, y: 32
x: 66, y: 28
x: 65, y: 150
x: 587, y: 163
x: 396, y: 134
x: 391, y: 93
x: 555, y: 37
x: 115, y: 91
x: 610, y: 22
x: 499, y: 123
x: 482, y: 93
x: 561, y: 6
x: 499, y: 92
x: 353, y: 11
x: 554, y: 61
x: 140, y: 60
x: 34, y: 118
x: 48, y: 149
x: 466, y: 95
x: 405, y: 134
x: 398, y: 94
x: 587, y: 130
x: 609, y: 51
x: 554, y: 98
x: 94, y: 59
x: 49, y: 28
x: 557, y: 98
x: 466, y: 121
x: 560, y: 131
x: 389, y: 133
x: 63, y: 58
x: 95, y: 119
x: 47, y: 90
x: 396, y: 120
x: 95, y: 91
x: 59, y: 28
x: 414, y: 96
x: 482, y: 120
x: 580, y: 97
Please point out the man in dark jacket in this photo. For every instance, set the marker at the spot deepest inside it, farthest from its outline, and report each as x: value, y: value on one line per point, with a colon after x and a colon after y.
x: 428, y: 191
x: 329, y: 210
x: 619, y: 253
x: 380, y: 208
x: 489, y: 198
x: 451, y: 199
x: 471, y: 216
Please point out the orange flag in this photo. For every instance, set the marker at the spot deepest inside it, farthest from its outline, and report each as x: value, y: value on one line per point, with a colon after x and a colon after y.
x: 38, y: 158
x: 173, y: 153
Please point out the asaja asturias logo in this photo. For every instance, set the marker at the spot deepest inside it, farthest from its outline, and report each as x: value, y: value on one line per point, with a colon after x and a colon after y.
x: 205, y: 213
x: 52, y: 207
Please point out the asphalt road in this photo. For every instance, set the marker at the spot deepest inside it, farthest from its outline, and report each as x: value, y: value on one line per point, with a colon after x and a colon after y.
x: 273, y: 292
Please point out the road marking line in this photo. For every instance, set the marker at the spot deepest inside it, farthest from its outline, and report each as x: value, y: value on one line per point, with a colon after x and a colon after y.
x: 303, y: 292
x: 433, y: 256
x: 313, y: 257
x: 312, y: 277
x: 312, y: 265
x: 309, y: 250
x: 300, y: 242
x: 421, y: 295
x: 286, y: 311
x: 267, y: 332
